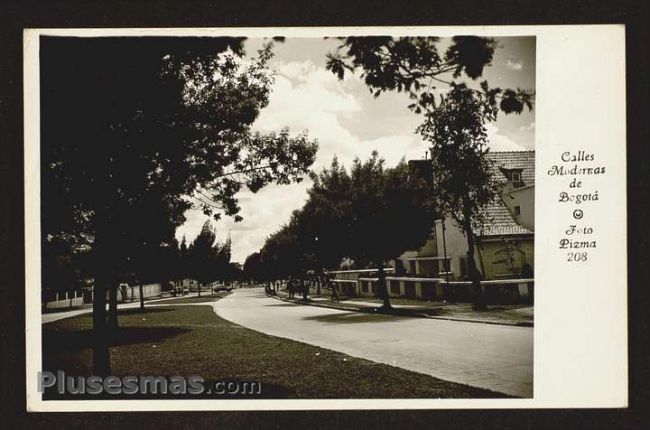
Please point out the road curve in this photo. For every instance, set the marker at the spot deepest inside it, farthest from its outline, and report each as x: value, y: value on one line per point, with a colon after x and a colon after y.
x: 494, y: 357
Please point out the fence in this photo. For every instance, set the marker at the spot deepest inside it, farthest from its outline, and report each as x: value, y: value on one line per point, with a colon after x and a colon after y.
x: 503, y: 291
x: 64, y: 300
x: 129, y: 293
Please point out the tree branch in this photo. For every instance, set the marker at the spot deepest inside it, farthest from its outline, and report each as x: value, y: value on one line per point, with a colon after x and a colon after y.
x: 243, y: 171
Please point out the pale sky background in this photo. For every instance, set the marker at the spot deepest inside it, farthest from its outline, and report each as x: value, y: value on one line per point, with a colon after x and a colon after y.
x: 349, y: 122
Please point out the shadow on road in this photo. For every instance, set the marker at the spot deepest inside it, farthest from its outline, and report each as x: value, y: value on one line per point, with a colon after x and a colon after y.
x: 283, y: 304
x: 353, y: 317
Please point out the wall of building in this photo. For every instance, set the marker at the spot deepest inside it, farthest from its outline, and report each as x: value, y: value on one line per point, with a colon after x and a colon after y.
x: 491, y: 252
x: 524, y: 198
x: 429, y: 249
x: 129, y: 293
x: 495, y: 256
x: 455, y: 244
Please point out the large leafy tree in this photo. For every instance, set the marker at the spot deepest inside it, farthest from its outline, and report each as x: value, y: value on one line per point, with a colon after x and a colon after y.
x: 326, y: 213
x: 445, y: 88
x: 457, y: 135
x: 415, y: 66
x: 323, y: 223
x: 392, y: 210
x: 135, y: 131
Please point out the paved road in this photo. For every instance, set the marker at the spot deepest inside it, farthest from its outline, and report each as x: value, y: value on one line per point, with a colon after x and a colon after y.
x: 489, y: 356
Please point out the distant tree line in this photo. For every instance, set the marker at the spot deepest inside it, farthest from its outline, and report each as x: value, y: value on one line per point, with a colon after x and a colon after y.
x: 67, y: 268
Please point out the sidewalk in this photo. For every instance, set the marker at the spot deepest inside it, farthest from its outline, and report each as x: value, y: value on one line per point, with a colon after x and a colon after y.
x: 516, y: 315
x: 51, y: 316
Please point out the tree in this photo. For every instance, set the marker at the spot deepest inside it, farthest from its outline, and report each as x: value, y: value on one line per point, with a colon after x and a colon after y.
x: 315, y: 236
x: 59, y: 273
x: 223, y: 264
x: 283, y: 254
x: 454, y: 123
x: 324, y: 220
x: 415, y: 66
x: 137, y: 130
x: 209, y: 260
x: 457, y: 134
x: 392, y: 210
x: 254, y: 270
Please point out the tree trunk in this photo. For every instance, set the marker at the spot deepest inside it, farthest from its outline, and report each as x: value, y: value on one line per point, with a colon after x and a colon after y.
x: 305, y: 290
x: 479, y: 246
x: 474, y: 274
x: 318, y: 281
x: 101, y: 353
x: 112, y: 308
x: 382, y: 287
x: 141, y: 290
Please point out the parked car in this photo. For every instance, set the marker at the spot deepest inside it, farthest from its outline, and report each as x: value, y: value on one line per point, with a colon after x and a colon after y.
x: 221, y: 287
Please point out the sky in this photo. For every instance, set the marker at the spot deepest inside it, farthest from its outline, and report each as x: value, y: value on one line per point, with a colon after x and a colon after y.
x: 348, y: 122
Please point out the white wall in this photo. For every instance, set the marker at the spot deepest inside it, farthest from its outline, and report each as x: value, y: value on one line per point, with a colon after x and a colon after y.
x: 456, y: 245
x: 525, y: 199
x: 133, y: 293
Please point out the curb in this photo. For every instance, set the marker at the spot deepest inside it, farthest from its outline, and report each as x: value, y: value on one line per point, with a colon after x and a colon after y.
x: 351, y: 309
x: 517, y: 324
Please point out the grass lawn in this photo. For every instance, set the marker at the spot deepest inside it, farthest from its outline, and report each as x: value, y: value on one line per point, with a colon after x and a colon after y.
x: 192, y: 340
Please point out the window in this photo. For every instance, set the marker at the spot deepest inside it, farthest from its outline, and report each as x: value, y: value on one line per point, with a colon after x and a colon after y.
x: 515, y: 177
x: 517, y: 210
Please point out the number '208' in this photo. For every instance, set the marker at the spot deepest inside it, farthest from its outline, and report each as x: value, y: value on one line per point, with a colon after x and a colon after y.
x: 576, y: 256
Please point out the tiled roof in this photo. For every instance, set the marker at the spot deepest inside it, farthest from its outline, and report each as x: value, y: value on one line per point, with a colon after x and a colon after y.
x: 524, y: 160
x: 501, y: 221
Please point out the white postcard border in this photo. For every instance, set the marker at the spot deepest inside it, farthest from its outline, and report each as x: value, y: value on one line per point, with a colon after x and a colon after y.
x: 580, y: 346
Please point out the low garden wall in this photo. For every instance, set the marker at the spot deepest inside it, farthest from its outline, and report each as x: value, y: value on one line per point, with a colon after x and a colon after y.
x: 64, y: 300
x: 502, y: 291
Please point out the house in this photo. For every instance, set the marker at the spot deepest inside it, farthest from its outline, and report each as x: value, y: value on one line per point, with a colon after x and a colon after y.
x: 504, y: 250
x: 505, y: 244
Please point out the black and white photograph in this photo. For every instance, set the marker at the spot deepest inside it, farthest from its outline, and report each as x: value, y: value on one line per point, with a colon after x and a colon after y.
x: 319, y: 219
x: 303, y: 218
